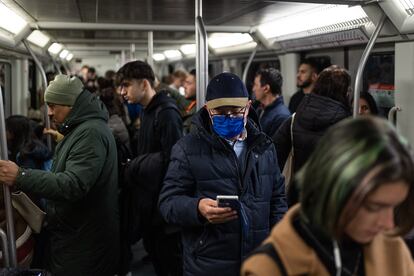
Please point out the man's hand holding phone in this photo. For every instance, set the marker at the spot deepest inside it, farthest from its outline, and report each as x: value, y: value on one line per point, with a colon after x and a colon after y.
x: 209, y: 209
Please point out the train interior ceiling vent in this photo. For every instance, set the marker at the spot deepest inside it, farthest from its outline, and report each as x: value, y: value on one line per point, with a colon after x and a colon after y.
x: 337, y: 39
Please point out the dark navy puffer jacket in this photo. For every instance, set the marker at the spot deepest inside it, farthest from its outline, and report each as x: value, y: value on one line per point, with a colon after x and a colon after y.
x: 204, y: 166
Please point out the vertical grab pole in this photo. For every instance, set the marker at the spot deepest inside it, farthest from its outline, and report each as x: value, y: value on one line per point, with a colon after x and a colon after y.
x: 150, y: 60
x: 44, y: 80
x: 5, y: 248
x: 363, y: 62
x: 249, y: 62
x: 6, y: 191
x: 201, y: 56
x: 53, y: 60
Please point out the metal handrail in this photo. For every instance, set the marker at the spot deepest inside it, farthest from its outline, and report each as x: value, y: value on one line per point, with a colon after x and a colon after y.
x: 150, y: 59
x: 202, y: 64
x: 5, y: 248
x: 202, y: 55
x: 363, y: 61
x: 44, y: 80
x: 6, y: 191
x: 249, y: 62
x: 392, y: 114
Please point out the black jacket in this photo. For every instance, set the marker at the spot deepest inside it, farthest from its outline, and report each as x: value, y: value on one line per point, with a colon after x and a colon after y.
x: 204, y: 165
x: 161, y: 128
x: 313, y: 117
x: 295, y: 100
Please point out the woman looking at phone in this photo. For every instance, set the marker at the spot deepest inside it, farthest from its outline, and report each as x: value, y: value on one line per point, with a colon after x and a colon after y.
x: 357, y: 198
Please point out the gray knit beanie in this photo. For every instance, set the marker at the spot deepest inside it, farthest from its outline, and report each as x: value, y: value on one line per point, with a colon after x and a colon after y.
x: 63, y: 90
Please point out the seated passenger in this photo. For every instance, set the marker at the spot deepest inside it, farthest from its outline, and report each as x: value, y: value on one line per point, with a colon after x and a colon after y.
x: 345, y: 223
x: 226, y: 155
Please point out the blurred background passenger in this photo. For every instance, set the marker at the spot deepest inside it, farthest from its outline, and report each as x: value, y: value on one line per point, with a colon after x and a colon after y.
x: 367, y: 105
x: 178, y: 79
x: 114, y: 105
x: 345, y: 224
x: 267, y: 89
x: 190, y: 93
x: 305, y: 80
x: 325, y: 106
x: 24, y: 146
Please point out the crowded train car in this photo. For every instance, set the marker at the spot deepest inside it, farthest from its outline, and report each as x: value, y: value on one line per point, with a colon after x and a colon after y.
x: 195, y: 137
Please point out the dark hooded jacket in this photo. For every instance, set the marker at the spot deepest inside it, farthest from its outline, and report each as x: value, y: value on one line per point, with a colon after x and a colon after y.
x: 35, y: 156
x: 81, y: 193
x: 203, y: 166
x: 313, y: 117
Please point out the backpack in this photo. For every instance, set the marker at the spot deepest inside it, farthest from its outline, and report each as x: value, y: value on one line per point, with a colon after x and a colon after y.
x: 142, y: 178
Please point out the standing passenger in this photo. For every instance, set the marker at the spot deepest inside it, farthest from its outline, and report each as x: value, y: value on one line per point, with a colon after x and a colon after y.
x: 305, y: 80
x: 226, y: 155
x: 190, y: 87
x: 324, y: 107
x: 345, y: 224
x: 81, y: 190
x: 267, y: 89
x: 161, y: 127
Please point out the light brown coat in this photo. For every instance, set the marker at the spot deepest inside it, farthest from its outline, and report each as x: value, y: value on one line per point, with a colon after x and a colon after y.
x: 384, y: 256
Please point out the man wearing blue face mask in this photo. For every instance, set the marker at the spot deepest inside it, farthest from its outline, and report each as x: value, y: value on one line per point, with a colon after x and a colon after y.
x: 226, y: 155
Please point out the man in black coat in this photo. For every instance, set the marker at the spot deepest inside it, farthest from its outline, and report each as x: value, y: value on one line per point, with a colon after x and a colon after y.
x: 226, y: 154
x: 161, y: 128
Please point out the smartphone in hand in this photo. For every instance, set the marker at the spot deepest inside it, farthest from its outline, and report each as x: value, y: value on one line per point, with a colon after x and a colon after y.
x: 231, y: 201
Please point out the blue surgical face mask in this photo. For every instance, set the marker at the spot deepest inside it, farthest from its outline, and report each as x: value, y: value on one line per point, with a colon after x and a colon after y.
x: 226, y: 126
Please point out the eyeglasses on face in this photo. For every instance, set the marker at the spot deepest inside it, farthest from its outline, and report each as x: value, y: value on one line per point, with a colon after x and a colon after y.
x: 231, y: 112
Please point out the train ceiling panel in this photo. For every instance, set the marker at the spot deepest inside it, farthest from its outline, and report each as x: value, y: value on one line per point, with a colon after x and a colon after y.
x: 175, y: 12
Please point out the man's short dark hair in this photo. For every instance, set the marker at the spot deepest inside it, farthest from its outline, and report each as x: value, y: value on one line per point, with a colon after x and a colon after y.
x: 317, y: 64
x: 193, y: 72
x: 135, y: 70
x: 273, y: 78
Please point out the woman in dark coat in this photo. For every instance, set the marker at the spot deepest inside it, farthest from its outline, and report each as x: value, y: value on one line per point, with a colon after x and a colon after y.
x: 325, y: 106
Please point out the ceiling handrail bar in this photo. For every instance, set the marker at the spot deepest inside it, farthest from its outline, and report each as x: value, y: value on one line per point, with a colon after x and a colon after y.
x: 363, y: 61
x: 44, y: 80
x: 249, y: 62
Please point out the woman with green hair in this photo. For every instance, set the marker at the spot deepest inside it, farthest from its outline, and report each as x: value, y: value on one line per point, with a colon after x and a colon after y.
x: 360, y: 175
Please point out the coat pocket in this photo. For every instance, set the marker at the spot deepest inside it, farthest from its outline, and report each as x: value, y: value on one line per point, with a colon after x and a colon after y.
x: 201, y: 242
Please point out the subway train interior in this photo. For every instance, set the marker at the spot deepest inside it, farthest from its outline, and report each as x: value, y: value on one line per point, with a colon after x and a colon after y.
x: 372, y: 39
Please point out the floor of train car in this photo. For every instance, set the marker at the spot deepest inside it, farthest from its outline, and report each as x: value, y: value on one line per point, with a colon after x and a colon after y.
x: 138, y: 266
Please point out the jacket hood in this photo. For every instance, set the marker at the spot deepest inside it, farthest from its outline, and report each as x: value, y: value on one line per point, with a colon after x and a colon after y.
x: 87, y: 107
x: 318, y: 112
x: 204, y: 129
x: 159, y: 98
x: 36, y: 151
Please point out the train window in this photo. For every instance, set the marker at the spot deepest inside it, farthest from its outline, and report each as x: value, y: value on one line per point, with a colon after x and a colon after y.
x: 256, y: 66
x: 378, y: 80
x: 5, y: 83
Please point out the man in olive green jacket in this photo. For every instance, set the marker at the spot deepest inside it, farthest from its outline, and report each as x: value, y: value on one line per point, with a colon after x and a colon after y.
x: 81, y: 190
